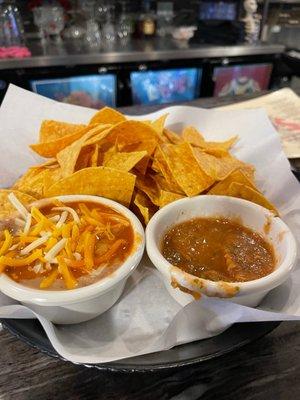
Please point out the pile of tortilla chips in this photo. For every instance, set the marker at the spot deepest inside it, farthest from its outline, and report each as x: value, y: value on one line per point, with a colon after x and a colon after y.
x: 140, y: 164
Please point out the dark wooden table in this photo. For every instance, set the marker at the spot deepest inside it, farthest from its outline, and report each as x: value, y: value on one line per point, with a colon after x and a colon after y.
x: 268, y: 368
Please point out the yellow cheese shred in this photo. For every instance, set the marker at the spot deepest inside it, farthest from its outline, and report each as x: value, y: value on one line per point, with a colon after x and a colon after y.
x: 7, y: 242
x: 21, y: 262
x: 68, y: 248
x: 50, y: 243
x: 66, y: 230
x: 67, y: 275
x: 89, y: 248
x: 38, y: 216
x: 49, y: 280
x: 38, y: 228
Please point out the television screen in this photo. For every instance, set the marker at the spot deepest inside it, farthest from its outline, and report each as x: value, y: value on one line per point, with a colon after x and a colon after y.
x: 220, y: 11
x: 165, y: 86
x: 241, y: 79
x: 90, y: 91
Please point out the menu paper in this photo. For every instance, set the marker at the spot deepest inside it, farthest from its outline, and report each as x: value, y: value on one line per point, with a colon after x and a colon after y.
x: 146, y: 318
x: 283, y: 108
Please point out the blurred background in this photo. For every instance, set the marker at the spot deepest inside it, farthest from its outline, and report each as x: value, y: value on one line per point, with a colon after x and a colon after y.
x: 119, y: 53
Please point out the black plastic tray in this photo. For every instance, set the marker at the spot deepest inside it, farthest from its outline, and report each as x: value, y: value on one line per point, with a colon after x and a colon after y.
x: 238, y: 335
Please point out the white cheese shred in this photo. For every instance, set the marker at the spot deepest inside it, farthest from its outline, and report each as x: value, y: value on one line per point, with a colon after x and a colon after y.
x: 19, y: 222
x: 18, y: 205
x: 62, y: 219
x: 13, y: 247
x: 37, y: 268
x: 27, y: 224
x: 48, y: 266
x: 77, y: 256
x: 38, y: 242
x: 71, y: 211
x: 52, y: 253
x: 55, y: 218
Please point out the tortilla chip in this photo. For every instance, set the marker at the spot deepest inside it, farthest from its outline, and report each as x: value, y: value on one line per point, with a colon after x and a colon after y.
x: 172, y: 137
x: 155, y: 165
x: 52, y: 163
x: 159, y: 124
x: 185, y: 169
x: 107, y: 115
x: 51, y: 130
x: 6, y: 208
x: 94, y: 156
x: 248, y: 170
x: 248, y: 193
x: 147, y: 145
x: 163, y: 168
x: 32, y: 182
x: 145, y: 207
x: 98, y: 138
x: 237, y: 176
x: 84, y: 158
x: 207, y: 162
x: 128, y: 132
x: 50, y: 149
x: 148, y: 185
x: 215, y: 152
x: 221, y: 146
x: 124, y: 161
x: 134, y: 136
x: 191, y: 135
x: 163, y: 184
x: 50, y: 176
x: 67, y: 158
x: 217, y: 167
x: 168, y: 197
x: 100, y: 181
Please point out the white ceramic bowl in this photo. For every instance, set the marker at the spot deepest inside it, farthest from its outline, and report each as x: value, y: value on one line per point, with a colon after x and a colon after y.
x: 78, y: 305
x: 251, y: 215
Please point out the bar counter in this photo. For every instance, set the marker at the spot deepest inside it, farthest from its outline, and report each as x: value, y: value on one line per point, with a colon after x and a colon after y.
x: 70, y: 53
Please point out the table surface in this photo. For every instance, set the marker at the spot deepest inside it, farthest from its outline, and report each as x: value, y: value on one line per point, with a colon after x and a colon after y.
x: 268, y: 368
x: 74, y: 52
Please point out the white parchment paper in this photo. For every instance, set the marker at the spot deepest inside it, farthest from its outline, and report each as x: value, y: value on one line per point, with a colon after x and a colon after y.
x: 146, y: 318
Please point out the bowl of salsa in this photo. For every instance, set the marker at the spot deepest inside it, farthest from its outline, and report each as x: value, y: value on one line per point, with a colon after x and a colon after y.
x: 68, y: 257
x: 220, y: 246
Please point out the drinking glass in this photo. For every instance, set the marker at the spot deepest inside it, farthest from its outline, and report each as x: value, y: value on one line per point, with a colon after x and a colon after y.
x: 55, y: 20
x: 125, y: 26
x: 11, y: 26
x: 109, y: 30
x: 39, y: 21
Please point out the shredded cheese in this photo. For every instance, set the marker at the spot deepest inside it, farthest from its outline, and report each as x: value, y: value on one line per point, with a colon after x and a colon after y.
x: 55, y: 218
x: 89, y: 245
x: 13, y: 247
x: 21, y: 262
x: 7, y: 242
x: 67, y: 275
x: 38, y: 228
x: 38, y: 242
x: 49, y: 280
x: 37, y: 268
x: 71, y: 211
x: 62, y: 219
x: 77, y: 256
x: 19, y: 222
x: 27, y: 224
x: 18, y: 205
x: 48, y: 266
x: 56, y: 249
